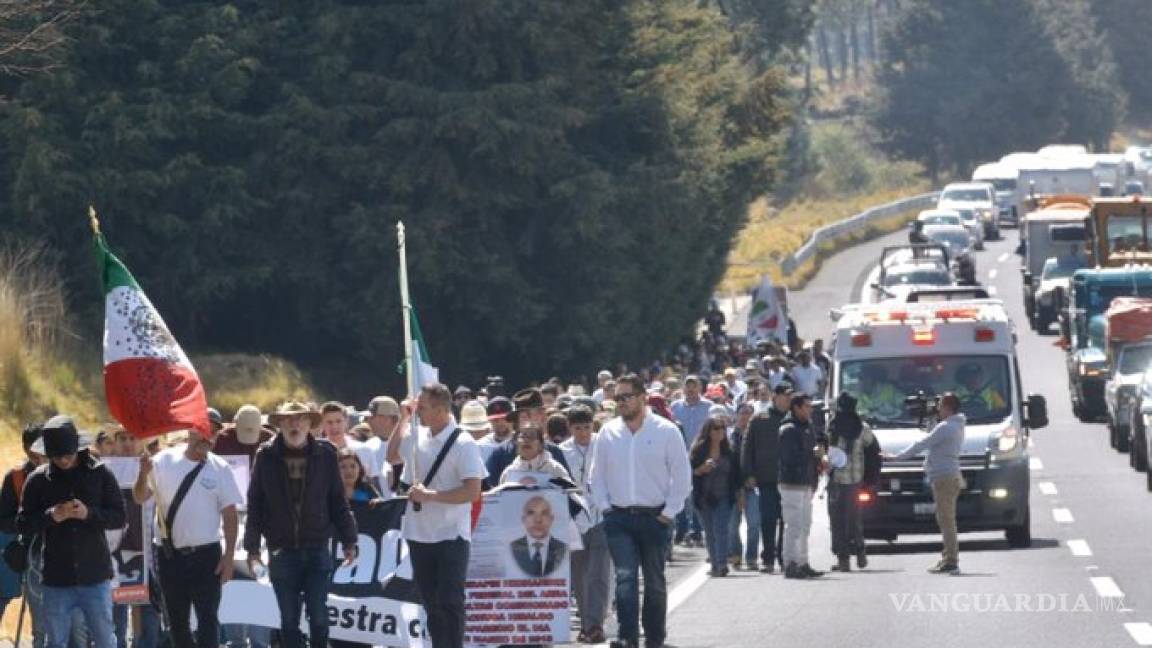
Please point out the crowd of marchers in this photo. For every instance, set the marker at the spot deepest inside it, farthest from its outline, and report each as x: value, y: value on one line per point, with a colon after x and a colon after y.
x: 729, y: 461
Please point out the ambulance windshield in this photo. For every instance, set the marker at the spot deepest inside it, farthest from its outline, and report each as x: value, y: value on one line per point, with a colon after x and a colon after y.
x: 882, y: 384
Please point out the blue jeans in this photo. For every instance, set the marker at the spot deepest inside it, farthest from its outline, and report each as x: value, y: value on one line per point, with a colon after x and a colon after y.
x: 717, y: 517
x: 301, y: 576
x: 93, y: 601
x: 637, y: 543
x: 687, y: 521
x: 751, y: 516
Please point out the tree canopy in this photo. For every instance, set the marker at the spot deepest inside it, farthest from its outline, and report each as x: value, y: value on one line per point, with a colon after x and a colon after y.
x: 962, y: 83
x: 571, y: 175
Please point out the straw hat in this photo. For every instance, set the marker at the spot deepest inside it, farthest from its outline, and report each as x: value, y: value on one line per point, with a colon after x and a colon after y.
x: 474, y: 417
x: 294, y: 408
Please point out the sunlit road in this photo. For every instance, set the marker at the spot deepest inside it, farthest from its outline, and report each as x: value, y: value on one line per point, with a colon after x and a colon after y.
x: 1091, y: 524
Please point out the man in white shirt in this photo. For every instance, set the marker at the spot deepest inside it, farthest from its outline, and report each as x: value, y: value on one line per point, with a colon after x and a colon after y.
x: 191, y: 565
x: 736, y: 387
x: 439, y: 533
x: 383, y: 416
x: 601, y: 378
x: 640, y: 480
x: 807, y: 378
x: 591, y: 566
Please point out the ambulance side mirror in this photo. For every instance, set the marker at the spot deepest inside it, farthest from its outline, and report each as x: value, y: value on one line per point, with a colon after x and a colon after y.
x: 1037, y: 411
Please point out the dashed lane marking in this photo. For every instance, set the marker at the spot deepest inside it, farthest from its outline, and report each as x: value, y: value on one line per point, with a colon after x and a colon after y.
x: 1080, y: 548
x: 687, y: 587
x: 1106, y: 587
x: 1035, y: 464
x: 1003, y: 257
x: 1141, y: 633
x: 992, y: 273
x: 1062, y: 515
x: 991, y: 291
x: 1048, y: 488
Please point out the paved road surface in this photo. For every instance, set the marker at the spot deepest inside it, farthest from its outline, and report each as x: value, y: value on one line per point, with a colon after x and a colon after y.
x: 1091, y: 524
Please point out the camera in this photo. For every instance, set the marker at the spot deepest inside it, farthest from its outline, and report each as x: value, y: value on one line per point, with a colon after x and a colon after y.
x: 495, y: 386
x: 921, y: 405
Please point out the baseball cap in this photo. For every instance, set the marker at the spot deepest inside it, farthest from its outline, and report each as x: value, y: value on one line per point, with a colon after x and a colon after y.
x: 783, y: 387
x: 384, y: 406
x: 499, y: 408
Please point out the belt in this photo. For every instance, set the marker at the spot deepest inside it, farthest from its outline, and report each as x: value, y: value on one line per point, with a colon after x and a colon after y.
x: 187, y: 551
x: 638, y: 510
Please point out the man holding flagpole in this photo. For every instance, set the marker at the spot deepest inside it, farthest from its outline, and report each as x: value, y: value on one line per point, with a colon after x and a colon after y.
x: 439, y: 532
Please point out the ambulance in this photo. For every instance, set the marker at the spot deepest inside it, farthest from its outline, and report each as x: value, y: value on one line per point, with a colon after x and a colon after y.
x: 895, y: 359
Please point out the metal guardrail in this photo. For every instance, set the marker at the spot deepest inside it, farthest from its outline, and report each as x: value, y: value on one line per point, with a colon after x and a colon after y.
x: 852, y: 224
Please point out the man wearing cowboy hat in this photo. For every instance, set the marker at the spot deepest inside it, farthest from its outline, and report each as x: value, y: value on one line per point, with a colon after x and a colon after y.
x: 297, y: 521
x: 474, y: 421
x: 528, y: 410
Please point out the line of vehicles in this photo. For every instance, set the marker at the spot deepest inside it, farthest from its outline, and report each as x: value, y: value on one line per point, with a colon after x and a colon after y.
x: 927, y: 328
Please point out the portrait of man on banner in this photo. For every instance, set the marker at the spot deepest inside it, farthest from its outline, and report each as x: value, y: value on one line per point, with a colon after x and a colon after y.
x: 538, y: 553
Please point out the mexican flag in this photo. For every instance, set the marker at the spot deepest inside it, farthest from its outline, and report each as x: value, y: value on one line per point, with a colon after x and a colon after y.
x: 421, y: 365
x: 150, y: 385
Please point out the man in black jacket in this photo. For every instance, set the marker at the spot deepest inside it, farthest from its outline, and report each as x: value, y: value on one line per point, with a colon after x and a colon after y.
x: 70, y: 502
x: 801, y: 463
x: 760, y: 463
x: 295, y: 501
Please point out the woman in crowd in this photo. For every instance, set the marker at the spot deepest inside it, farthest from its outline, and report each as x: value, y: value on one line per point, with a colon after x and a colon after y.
x: 715, y: 482
x: 531, y: 458
x: 357, y: 487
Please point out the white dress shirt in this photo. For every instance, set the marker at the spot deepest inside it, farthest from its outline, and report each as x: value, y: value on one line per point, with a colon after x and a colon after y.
x: 648, y: 468
x: 807, y: 379
x: 436, y: 521
x: 199, y: 518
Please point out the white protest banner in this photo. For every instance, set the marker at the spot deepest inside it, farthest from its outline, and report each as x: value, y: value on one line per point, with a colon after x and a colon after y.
x: 514, y: 596
x: 517, y: 589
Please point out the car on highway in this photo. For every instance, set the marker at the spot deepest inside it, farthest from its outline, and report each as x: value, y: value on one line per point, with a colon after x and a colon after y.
x: 896, y: 359
x: 975, y: 229
x: 1140, y: 451
x: 1124, y: 378
x: 939, y: 217
x: 1051, y: 290
x: 959, y: 244
x: 980, y: 199
x: 897, y: 281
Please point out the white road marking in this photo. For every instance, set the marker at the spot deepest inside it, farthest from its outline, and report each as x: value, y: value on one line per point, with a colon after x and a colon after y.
x: 1141, y: 633
x: 1062, y: 515
x: 1003, y: 257
x: 991, y: 291
x: 1080, y: 548
x: 687, y: 587
x: 1035, y: 464
x: 992, y: 273
x: 1106, y: 587
x: 1048, y: 488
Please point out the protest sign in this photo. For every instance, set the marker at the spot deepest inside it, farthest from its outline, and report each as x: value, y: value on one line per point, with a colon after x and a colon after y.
x: 128, y: 545
x: 375, y: 600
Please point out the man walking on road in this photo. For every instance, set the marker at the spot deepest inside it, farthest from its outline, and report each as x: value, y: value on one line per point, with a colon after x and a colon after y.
x: 439, y: 532
x: 71, y: 502
x: 640, y: 481
x: 942, y: 470
x: 195, y: 492
x: 296, y: 502
x: 760, y: 462
x: 800, y: 467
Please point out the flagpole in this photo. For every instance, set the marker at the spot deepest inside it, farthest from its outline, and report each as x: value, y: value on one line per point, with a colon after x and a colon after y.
x: 409, y: 360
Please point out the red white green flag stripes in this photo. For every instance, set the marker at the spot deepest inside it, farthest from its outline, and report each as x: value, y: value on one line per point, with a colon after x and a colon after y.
x: 150, y: 385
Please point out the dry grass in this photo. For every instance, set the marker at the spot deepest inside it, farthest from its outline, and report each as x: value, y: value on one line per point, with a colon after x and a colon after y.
x: 772, y: 235
x: 235, y: 379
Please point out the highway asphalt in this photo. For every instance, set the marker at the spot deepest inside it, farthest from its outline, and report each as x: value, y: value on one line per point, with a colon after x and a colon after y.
x: 1084, y: 581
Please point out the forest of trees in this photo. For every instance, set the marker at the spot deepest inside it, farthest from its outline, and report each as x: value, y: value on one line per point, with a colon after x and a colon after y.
x: 572, y: 174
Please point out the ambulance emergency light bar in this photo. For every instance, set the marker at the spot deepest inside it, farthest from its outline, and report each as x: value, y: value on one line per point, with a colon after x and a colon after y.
x: 921, y: 320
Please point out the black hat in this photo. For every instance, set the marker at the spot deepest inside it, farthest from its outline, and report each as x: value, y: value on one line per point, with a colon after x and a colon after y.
x: 32, y: 433
x: 783, y: 387
x: 60, y: 437
x: 846, y: 403
x: 530, y: 398
x: 499, y: 408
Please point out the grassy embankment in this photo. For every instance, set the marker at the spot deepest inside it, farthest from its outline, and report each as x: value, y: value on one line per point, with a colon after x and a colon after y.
x: 852, y: 176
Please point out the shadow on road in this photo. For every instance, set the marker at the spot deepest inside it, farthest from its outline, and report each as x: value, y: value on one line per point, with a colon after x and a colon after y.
x: 930, y: 546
